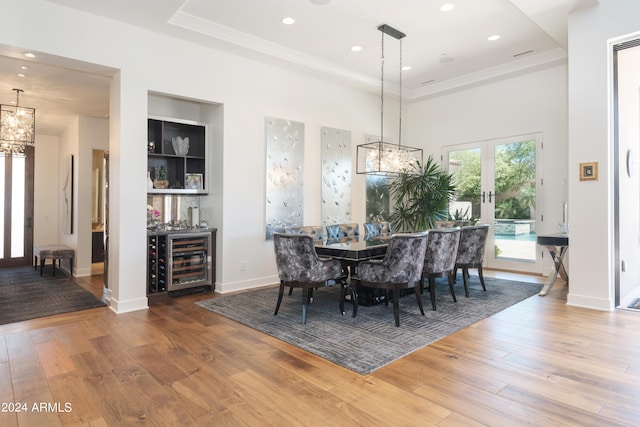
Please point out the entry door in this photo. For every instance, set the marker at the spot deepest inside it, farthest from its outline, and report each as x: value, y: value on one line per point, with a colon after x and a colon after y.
x: 16, y: 215
x: 496, y: 184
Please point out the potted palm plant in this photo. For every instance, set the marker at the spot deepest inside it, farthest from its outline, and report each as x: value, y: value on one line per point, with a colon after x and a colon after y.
x: 420, y: 199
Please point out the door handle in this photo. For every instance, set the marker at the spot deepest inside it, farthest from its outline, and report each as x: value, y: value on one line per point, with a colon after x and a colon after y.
x: 483, y: 195
x: 490, y: 196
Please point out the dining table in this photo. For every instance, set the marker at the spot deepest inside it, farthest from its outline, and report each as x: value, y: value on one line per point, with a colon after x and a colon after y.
x: 351, y: 251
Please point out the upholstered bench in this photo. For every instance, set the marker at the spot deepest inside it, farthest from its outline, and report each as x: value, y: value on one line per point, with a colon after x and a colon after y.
x: 53, y: 252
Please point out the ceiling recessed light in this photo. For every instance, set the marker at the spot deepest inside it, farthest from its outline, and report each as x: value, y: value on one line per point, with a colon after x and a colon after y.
x: 406, y: 68
x: 21, y: 75
x: 288, y: 20
x: 447, y: 7
x: 356, y: 48
x: 24, y: 67
x: 29, y: 55
x: 444, y: 58
x: 493, y: 37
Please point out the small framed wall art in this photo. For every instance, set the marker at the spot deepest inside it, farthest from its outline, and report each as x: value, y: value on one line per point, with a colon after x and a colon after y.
x: 589, y: 171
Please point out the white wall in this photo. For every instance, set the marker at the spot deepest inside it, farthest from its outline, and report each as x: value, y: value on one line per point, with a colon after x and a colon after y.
x: 47, y: 194
x: 591, y: 140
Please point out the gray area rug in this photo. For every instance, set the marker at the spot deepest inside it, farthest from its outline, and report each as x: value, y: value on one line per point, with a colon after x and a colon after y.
x: 24, y: 295
x: 371, y: 339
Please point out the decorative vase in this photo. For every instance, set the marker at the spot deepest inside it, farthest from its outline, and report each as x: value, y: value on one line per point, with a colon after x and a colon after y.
x: 161, y: 183
x: 149, y: 182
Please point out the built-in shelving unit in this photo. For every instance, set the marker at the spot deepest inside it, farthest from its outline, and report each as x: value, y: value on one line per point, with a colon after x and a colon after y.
x: 186, y: 174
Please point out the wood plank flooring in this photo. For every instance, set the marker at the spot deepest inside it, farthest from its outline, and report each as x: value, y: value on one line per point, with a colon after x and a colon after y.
x: 539, y: 363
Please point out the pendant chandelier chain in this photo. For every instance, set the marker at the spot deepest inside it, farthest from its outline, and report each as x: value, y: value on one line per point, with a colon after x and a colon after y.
x: 400, y: 100
x: 382, y: 88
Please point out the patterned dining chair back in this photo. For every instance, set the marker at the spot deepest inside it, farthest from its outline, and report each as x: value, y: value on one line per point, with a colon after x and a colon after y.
x: 338, y: 231
x: 316, y: 232
x: 440, y: 259
x: 442, y: 249
x: 473, y: 240
x: 376, y: 229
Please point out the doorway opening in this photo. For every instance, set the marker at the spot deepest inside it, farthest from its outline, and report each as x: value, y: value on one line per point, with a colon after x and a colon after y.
x: 626, y: 110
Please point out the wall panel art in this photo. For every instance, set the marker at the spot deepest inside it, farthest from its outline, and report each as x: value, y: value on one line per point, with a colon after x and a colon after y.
x: 336, y: 176
x: 284, y: 140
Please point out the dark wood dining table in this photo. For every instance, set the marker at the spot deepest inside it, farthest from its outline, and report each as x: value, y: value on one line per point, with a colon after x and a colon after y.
x: 352, y: 250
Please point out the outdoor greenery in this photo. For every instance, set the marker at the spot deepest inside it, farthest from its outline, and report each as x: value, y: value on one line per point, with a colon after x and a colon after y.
x: 420, y: 199
x: 514, y: 179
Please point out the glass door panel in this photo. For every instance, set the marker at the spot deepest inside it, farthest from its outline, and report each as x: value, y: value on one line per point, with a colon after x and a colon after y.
x: 496, y: 184
x: 514, y: 165
x: 17, y: 207
x: 16, y: 213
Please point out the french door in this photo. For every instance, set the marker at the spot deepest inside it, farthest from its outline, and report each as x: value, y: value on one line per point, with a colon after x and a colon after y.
x: 496, y: 184
x: 16, y: 215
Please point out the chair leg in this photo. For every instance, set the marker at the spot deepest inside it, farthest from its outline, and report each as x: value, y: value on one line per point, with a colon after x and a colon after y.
x: 280, y: 294
x: 396, y: 304
x: 354, y: 299
x: 432, y: 291
x: 305, y: 302
x: 419, y: 299
x: 484, y: 288
x: 452, y: 281
x: 41, y: 265
x: 290, y: 290
x: 465, y: 279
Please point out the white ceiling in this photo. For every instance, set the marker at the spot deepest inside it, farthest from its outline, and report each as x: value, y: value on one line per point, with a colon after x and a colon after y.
x: 533, y: 35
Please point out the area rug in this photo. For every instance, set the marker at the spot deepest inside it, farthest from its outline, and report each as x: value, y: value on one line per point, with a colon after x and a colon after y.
x: 25, y: 295
x: 371, y: 339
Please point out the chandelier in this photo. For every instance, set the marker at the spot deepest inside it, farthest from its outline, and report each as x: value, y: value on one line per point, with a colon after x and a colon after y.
x: 17, y: 127
x: 384, y: 158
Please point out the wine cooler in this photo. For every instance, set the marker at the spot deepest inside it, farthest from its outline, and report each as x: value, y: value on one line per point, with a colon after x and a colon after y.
x: 179, y: 261
x: 188, y: 260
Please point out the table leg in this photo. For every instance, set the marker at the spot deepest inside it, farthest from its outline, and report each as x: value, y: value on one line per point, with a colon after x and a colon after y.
x: 557, y: 256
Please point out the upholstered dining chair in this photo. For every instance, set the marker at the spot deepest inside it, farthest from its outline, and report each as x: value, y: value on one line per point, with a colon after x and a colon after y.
x: 300, y: 267
x: 401, y: 268
x: 373, y: 230
x: 315, y: 231
x: 440, y: 259
x: 473, y: 240
x: 337, y: 231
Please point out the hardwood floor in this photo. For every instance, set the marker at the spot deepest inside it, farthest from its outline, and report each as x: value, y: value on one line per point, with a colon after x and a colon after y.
x: 539, y: 362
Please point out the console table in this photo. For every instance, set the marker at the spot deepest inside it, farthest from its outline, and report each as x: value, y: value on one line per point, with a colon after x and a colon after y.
x: 557, y: 245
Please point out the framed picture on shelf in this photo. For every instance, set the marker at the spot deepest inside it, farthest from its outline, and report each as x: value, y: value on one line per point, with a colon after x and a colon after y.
x: 193, y: 181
